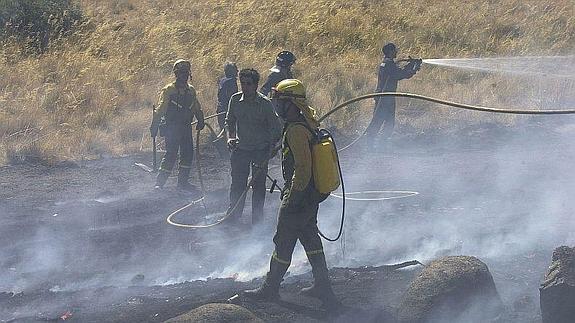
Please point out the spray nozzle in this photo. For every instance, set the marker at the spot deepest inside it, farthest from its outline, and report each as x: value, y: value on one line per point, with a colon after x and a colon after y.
x: 412, y: 63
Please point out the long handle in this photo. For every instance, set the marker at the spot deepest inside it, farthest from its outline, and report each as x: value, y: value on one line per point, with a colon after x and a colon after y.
x: 155, y: 162
x: 154, y: 154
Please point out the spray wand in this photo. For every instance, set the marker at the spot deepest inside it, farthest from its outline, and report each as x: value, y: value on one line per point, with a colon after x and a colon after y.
x: 413, y: 63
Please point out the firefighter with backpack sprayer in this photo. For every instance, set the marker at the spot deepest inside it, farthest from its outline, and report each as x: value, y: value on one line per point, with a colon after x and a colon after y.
x: 297, y: 218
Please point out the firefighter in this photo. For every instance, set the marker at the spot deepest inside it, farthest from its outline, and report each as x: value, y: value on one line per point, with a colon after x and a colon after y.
x: 389, y: 75
x: 297, y: 218
x: 227, y: 86
x: 253, y: 129
x: 281, y: 71
x: 178, y: 104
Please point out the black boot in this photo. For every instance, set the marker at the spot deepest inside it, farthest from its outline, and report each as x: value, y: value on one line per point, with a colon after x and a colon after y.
x: 311, y: 291
x: 328, y: 299
x: 269, y: 290
x: 161, y: 179
x: 321, y: 287
x: 183, y: 184
x: 266, y: 292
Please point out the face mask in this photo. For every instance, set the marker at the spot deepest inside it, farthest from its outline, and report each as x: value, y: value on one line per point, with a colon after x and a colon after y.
x: 182, y: 75
x: 281, y: 107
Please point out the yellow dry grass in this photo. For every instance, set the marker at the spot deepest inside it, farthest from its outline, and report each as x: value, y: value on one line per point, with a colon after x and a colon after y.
x: 91, y: 94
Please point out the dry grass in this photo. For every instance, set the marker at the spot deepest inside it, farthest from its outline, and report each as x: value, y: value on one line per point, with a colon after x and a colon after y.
x: 91, y: 93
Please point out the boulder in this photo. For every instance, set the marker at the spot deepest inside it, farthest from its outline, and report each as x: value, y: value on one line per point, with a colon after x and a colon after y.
x: 451, y: 289
x: 557, y: 292
x: 217, y: 313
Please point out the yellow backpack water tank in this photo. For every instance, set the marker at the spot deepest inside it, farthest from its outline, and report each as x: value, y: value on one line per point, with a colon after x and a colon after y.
x: 326, y: 175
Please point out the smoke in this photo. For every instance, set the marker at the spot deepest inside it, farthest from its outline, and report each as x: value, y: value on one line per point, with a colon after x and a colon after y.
x: 502, y: 195
x: 505, y: 201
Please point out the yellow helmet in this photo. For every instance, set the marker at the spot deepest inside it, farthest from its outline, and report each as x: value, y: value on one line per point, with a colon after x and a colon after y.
x: 293, y: 90
x: 182, y: 64
x: 289, y: 89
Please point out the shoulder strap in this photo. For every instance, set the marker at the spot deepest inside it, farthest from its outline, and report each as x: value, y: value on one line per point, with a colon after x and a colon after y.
x: 314, y: 133
x: 303, y: 123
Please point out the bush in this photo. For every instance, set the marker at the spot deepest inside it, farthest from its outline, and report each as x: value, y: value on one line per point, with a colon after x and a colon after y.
x: 34, y: 23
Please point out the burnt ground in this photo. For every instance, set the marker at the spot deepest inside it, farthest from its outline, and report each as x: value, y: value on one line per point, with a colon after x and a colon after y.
x: 89, y: 240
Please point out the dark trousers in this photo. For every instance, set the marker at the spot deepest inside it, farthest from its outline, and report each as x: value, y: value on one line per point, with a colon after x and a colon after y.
x: 383, y: 114
x: 241, y: 163
x: 298, y: 221
x: 178, y: 139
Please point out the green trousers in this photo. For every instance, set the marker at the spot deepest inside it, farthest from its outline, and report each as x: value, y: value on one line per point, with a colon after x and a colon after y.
x: 178, y: 139
x: 297, y: 220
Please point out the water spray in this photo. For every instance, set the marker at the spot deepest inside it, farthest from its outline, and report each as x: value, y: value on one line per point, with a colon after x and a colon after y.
x: 550, y: 66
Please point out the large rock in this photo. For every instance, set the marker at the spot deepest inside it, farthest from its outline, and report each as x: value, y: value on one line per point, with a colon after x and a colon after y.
x: 217, y: 313
x: 451, y: 289
x: 557, y: 292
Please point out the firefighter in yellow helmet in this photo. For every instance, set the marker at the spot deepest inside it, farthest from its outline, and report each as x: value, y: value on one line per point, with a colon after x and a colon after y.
x: 297, y: 218
x: 178, y: 104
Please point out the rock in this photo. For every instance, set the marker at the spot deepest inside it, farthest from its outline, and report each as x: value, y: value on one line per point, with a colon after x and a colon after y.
x: 451, y: 289
x: 137, y: 279
x: 6, y: 296
x: 557, y: 292
x: 217, y: 313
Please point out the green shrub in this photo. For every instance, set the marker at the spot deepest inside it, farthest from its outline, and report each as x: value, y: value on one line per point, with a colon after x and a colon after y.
x: 34, y: 23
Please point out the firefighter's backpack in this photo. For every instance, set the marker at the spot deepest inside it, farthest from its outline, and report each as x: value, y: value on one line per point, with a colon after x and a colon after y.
x: 325, y: 161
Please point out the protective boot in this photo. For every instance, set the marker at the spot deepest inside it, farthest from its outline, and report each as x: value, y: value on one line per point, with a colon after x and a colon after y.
x: 311, y: 291
x: 266, y: 292
x: 161, y: 179
x: 269, y: 290
x: 321, y: 288
x: 327, y: 297
x: 183, y: 176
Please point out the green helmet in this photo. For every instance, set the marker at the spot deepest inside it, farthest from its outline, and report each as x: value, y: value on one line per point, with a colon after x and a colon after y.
x: 182, y: 64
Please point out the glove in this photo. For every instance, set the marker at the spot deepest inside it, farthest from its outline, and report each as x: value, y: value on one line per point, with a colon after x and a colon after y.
x: 232, y: 143
x: 201, y: 124
x: 417, y: 66
x: 418, y: 63
x: 154, y: 129
x: 414, y: 64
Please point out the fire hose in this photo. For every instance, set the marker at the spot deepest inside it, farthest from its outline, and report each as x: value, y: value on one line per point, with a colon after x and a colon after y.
x: 203, y: 189
x: 339, y: 107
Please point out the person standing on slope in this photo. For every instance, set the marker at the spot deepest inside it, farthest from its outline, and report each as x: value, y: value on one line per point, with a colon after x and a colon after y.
x: 177, y: 107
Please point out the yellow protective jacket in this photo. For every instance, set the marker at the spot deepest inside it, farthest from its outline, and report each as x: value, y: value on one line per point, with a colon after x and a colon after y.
x: 297, y: 156
x: 178, y: 105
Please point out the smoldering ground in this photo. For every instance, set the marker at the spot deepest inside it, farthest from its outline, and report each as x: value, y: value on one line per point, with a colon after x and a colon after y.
x: 501, y: 194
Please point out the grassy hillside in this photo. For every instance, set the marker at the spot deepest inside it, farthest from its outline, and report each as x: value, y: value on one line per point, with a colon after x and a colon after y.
x: 91, y: 93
